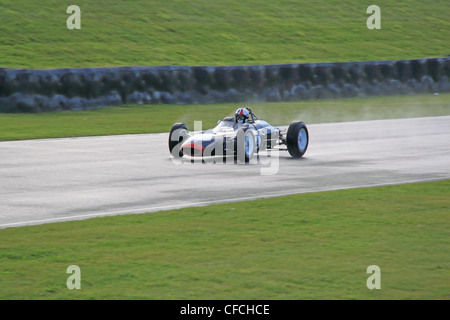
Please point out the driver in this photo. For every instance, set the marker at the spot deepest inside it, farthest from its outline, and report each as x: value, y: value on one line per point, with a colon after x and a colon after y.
x: 242, y: 115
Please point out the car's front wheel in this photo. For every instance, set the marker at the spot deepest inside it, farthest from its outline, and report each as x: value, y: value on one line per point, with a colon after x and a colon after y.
x: 297, y: 139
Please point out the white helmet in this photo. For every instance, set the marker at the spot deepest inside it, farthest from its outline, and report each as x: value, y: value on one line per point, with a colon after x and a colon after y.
x: 241, y: 115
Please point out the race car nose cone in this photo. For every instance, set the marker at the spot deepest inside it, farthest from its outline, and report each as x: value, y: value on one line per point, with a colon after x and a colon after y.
x: 192, y: 149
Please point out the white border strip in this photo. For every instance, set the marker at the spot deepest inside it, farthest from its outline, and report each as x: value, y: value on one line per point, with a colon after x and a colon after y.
x: 203, y: 203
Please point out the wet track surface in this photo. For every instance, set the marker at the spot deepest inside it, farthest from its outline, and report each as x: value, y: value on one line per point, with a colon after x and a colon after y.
x: 53, y: 180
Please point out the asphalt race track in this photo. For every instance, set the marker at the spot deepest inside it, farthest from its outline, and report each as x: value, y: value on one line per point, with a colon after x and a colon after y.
x: 53, y: 180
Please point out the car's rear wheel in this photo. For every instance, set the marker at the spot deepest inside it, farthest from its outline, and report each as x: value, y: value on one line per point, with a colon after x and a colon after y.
x: 178, y: 133
x: 297, y: 139
x: 245, y: 145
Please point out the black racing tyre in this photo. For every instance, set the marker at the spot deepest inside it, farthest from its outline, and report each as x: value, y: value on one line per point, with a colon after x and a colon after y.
x: 297, y: 139
x: 178, y: 133
x: 245, y: 144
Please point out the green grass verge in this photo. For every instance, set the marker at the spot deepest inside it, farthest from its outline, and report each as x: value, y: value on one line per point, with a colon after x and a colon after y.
x: 160, y: 118
x: 306, y: 246
x: 227, y: 32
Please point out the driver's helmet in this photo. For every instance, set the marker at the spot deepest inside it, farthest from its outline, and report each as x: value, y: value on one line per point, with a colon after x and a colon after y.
x: 242, y: 115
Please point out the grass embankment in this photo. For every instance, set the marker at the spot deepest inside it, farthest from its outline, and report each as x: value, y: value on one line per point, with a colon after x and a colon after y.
x: 306, y: 246
x: 33, y: 34
x: 160, y: 118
